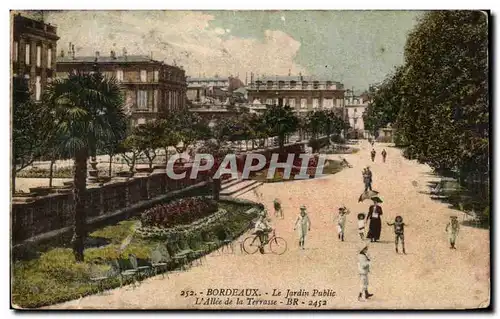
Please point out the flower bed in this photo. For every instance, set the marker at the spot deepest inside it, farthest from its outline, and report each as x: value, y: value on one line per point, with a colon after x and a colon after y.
x: 179, y: 212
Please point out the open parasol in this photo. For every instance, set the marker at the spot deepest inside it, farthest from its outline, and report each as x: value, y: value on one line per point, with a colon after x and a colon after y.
x: 367, y: 195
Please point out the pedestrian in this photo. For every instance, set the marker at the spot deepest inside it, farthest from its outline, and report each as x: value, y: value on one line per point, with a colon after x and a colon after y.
x: 367, y: 179
x: 452, y: 229
x: 399, y: 232
x: 341, y: 219
x: 384, y: 155
x: 261, y: 230
x: 373, y: 153
x: 361, y: 225
x: 364, y: 270
x: 304, y: 225
x: 370, y: 177
x: 374, y: 215
x: 278, y: 211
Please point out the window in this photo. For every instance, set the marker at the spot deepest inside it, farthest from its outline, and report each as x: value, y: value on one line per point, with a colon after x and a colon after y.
x: 315, y: 103
x: 293, y: 84
x: 144, y: 76
x: 303, y: 103
x: 15, y: 51
x: 305, y: 85
x: 119, y: 75
x: 355, y: 110
x: 284, y: 101
x: 49, y: 58
x: 269, y: 101
x: 155, y: 100
x: 156, y: 75
x: 27, y: 58
x: 316, y: 84
x: 269, y: 84
x: 141, y: 121
x: 292, y: 103
x: 142, y: 99
x: 38, y: 88
x: 328, y: 103
x: 38, y: 56
x: 276, y: 101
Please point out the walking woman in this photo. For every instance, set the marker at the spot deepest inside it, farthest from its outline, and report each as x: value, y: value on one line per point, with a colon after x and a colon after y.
x: 374, y: 215
x: 304, y: 225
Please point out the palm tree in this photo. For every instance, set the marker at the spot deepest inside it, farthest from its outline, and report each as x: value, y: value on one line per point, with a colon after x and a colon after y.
x: 87, y: 110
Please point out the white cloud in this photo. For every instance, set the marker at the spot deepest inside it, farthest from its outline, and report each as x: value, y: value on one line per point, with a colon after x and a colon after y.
x: 183, y: 36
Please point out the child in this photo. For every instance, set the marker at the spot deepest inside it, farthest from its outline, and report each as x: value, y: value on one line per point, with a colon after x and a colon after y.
x: 361, y: 225
x: 453, y: 227
x: 304, y: 225
x: 384, y: 154
x: 278, y: 211
x: 341, y: 219
x: 399, y: 232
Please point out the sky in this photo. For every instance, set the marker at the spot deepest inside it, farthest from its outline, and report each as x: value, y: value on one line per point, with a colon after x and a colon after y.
x: 356, y: 48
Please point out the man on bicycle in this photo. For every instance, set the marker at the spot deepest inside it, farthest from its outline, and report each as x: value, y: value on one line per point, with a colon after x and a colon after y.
x: 262, y: 229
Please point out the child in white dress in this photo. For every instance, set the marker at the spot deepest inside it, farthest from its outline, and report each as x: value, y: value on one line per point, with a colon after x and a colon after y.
x: 361, y: 225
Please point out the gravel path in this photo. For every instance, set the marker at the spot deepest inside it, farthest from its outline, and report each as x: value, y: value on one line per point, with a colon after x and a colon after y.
x: 430, y: 276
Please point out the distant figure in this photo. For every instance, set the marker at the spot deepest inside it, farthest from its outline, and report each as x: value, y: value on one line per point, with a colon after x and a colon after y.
x: 374, y: 213
x: 361, y: 225
x: 373, y: 153
x: 452, y: 228
x: 367, y: 178
x: 278, y: 211
x: 399, y: 232
x: 364, y: 270
x: 384, y: 155
x: 304, y: 226
x: 341, y: 219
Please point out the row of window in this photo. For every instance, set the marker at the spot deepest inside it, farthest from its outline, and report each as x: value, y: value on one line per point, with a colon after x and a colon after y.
x: 327, y: 103
x: 27, y: 57
x: 293, y: 84
x: 171, y: 98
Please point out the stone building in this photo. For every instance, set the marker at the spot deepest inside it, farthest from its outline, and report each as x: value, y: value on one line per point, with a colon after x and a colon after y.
x: 213, y: 90
x: 302, y: 93
x: 354, y: 108
x: 152, y: 88
x: 33, y: 52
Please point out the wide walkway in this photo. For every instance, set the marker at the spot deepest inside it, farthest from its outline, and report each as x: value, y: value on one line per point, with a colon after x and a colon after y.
x: 429, y: 276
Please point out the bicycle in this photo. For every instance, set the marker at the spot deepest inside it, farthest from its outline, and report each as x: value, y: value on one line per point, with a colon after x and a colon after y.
x: 277, y: 245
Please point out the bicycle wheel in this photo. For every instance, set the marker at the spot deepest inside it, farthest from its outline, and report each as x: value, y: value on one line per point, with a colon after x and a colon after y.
x: 250, y: 248
x: 278, y: 246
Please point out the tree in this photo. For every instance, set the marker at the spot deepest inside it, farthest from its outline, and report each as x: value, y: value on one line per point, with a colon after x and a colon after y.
x: 88, y: 112
x: 149, y: 138
x: 130, y: 149
x: 31, y: 131
x: 281, y: 121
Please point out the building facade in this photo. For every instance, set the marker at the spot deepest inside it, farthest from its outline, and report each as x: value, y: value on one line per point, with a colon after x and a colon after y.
x: 212, y: 90
x: 301, y: 93
x: 152, y: 89
x: 354, y: 108
x: 33, y: 53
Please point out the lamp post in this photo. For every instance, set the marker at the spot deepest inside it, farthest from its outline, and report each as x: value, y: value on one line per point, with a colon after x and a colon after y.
x: 93, y: 172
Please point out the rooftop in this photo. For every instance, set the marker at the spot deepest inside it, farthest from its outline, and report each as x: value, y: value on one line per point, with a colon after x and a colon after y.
x: 210, y: 79
x: 107, y: 59
x: 289, y: 78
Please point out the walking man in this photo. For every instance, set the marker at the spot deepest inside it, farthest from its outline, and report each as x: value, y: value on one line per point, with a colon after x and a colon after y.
x: 364, y: 269
x: 373, y: 153
x: 367, y: 179
x: 384, y: 155
x: 452, y: 228
x: 304, y: 225
x: 278, y: 210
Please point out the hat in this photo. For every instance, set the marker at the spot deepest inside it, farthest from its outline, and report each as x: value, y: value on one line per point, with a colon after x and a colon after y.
x: 453, y: 217
x: 361, y: 216
x: 399, y: 217
x: 362, y: 246
x: 376, y: 199
x: 303, y: 207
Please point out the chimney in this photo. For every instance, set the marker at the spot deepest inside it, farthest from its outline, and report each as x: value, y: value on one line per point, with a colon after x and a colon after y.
x: 62, y: 53
x: 125, y: 53
x: 289, y: 72
x: 96, y: 55
x: 113, y: 55
x: 69, y: 49
x: 151, y: 54
x: 73, y: 51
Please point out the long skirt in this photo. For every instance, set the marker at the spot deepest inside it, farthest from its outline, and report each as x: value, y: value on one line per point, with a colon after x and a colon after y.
x: 375, y: 228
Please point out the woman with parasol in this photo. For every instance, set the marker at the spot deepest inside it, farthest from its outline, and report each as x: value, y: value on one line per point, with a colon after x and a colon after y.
x: 374, y: 215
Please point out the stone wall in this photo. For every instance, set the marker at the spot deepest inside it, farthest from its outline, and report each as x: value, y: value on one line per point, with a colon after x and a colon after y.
x: 36, y: 216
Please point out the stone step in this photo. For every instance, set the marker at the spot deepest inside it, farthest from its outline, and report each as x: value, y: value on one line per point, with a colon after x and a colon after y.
x: 242, y: 184
x: 247, y: 189
x: 229, y: 182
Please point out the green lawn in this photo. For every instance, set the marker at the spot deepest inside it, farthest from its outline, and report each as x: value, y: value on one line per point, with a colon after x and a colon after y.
x: 332, y: 168
x: 55, y: 277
